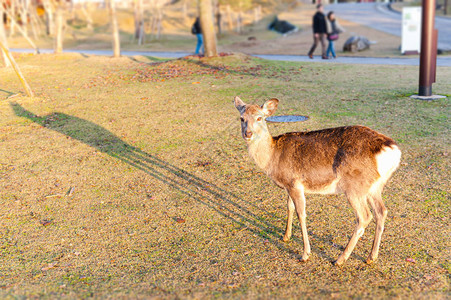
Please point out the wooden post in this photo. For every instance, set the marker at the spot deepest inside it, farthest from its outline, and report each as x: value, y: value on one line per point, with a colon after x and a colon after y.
x: 17, y: 70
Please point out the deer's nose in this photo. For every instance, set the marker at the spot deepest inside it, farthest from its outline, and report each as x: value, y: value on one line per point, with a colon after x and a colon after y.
x: 248, y: 134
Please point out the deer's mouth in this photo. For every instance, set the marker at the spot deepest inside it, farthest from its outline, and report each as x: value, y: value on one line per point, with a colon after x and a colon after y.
x: 247, y: 136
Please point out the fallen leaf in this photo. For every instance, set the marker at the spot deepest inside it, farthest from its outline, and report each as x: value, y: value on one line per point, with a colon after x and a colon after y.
x: 46, y: 222
x: 411, y: 260
x: 197, y: 82
x: 179, y: 220
x: 49, y: 266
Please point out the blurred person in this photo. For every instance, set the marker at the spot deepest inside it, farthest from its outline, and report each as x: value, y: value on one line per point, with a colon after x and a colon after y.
x: 333, y: 31
x: 197, y: 30
x: 319, y: 31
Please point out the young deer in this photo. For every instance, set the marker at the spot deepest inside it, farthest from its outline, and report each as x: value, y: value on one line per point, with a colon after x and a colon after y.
x: 353, y: 160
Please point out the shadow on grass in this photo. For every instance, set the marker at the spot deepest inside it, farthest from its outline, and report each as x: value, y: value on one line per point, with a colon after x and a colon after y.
x: 207, y: 193
x: 7, y: 92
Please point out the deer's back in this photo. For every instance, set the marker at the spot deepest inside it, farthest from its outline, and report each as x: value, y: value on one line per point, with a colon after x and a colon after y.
x: 329, y: 160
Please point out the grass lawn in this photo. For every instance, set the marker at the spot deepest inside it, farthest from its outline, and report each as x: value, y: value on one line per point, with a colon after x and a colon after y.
x: 128, y: 178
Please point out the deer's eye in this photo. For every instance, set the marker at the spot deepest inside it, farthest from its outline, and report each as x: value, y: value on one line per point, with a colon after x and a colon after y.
x: 259, y: 119
x: 242, y: 119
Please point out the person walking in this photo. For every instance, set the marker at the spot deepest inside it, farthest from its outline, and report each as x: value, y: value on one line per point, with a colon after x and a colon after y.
x: 333, y: 31
x: 196, y: 30
x: 319, y: 31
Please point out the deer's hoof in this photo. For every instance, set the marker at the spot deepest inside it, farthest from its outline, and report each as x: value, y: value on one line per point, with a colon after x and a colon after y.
x: 286, y: 238
x: 370, y: 260
x: 304, y: 258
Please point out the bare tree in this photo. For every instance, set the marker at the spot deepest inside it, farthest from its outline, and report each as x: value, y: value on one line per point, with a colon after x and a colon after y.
x: 115, y: 27
x: 3, y: 37
x: 139, y: 20
x: 23, y: 12
x: 11, y: 17
x: 60, y: 24
x: 12, y: 10
x: 49, y: 22
x: 87, y: 14
x: 208, y: 28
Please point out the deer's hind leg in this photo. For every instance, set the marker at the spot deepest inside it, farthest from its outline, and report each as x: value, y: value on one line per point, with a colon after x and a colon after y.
x: 290, y: 212
x: 363, y: 216
x: 380, y: 213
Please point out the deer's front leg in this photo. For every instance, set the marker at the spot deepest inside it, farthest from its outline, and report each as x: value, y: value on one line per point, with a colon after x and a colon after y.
x: 289, y: 228
x: 297, y: 196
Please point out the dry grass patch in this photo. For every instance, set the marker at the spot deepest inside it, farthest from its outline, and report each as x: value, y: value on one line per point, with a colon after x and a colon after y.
x: 130, y: 179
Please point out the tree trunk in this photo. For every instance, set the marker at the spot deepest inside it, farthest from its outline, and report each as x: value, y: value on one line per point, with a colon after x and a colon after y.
x: 229, y: 17
x: 218, y: 18
x: 13, y: 19
x: 87, y: 15
x: 139, y: 21
x: 116, y: 39
x: 49, y: 22
x: 159, y: 20
x: 185, y: 11
x: 3, y: 38
x: 59, y: 28
x: 208, y: 27
x: 239, y: 21
x: 24, y: 17
x: 34, y: 21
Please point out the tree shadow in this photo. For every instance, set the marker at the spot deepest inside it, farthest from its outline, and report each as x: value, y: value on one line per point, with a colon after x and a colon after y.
x: 10, y: 94
x: 207, y: 193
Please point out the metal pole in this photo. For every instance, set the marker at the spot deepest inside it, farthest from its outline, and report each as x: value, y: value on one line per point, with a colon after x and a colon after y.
x: 427, y: 63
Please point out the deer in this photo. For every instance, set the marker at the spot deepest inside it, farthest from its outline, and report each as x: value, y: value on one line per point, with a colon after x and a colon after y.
x: 354, y: 160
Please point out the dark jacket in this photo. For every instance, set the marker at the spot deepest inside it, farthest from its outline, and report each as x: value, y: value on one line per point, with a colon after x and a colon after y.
x: 195, y: 29
x: 319, y: 23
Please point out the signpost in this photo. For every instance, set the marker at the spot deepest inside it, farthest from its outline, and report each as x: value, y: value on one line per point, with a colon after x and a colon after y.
x: 411, y: 30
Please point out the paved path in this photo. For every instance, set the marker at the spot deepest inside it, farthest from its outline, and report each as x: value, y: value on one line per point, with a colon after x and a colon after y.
x: 375, y: 15
x: 379, y: 16
x: 441, y: 61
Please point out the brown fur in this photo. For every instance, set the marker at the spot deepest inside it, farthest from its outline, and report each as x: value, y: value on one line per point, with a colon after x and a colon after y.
x: 322, y: 156
x: 335, y: 160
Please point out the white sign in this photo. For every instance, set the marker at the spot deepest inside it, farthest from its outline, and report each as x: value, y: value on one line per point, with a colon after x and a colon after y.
x: 411, y: 30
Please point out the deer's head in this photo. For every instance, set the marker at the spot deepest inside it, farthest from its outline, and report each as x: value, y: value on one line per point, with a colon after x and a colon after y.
x: 253, y: 124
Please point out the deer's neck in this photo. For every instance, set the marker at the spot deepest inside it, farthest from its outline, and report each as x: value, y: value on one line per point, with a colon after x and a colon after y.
x: 261, y: 150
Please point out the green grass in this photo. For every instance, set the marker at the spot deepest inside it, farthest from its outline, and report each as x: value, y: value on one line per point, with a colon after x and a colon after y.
x: 166, y: 202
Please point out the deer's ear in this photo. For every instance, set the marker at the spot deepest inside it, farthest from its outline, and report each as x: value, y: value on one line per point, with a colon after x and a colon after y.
x: 270, y: 107
x: 239, y: 104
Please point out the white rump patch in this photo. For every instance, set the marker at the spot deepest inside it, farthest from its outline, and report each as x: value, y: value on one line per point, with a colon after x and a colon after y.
x: 388, y: 161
